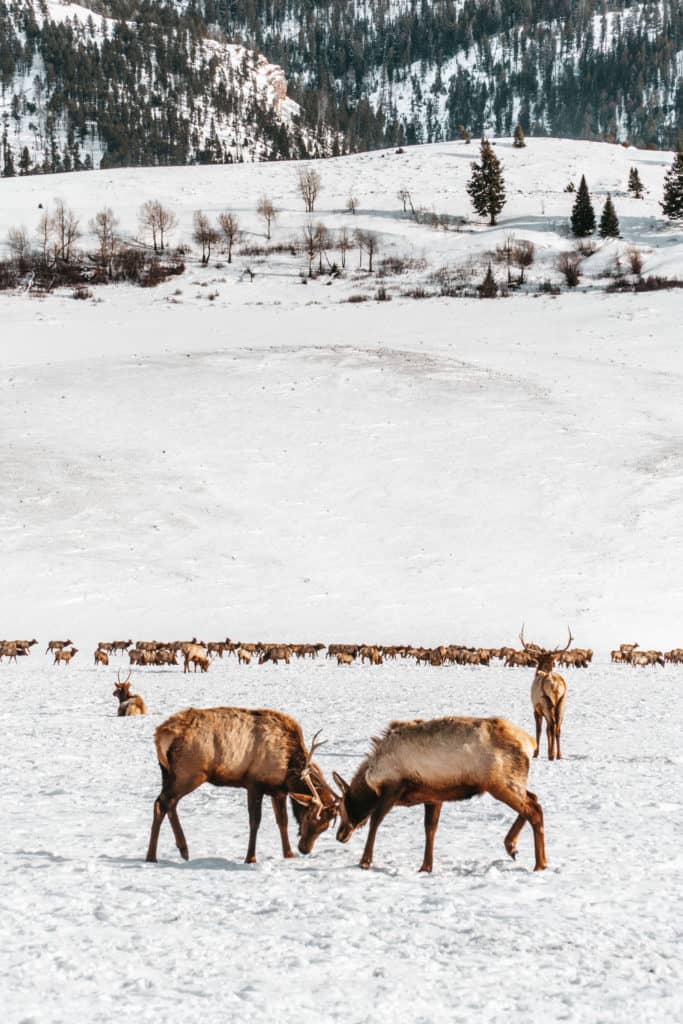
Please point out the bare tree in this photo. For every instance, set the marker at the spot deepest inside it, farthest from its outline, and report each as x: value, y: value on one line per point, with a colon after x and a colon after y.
x: 310, y: 244
x: 505, y: 254
x: 344, y: 244
x: 403, y: 195
x: 310, y: 184
x: 352, y: 204
x: 44, y: 233
x: 65, y: 230
x: 159, y: 221
x: 322, y: 243
x: 367, y: 241
x: 19, y: 244
x: 204, y: 234
x: 104, y: 226
x: 268, y: 212
x: 230, y: 227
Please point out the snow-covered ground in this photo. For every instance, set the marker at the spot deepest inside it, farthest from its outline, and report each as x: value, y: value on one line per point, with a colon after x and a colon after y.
x: 91, y: 932
x: 280, y: 464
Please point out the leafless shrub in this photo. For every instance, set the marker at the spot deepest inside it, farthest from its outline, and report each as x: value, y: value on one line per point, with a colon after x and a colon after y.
x: 82, y: 292
x: 19, y: 244
x: 344, y: 244
x: 586, y: 247
x: 523, y: 255
x: 204, y: 234
x: 418, y: 292
x: 569, y: 264
x: 382, y: 295
x: 65, y: 231
x: 104, y: 226
x: 358, y: 297
x: 635, y: 260
x: 352, y: 204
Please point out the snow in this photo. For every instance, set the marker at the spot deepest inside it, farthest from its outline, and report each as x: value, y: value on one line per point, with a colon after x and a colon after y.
x: 92, y: 932
x: 280, y: 464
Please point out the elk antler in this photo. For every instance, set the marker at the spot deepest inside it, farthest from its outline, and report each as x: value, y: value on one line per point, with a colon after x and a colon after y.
x: 522, y: 640
x: 561, y: 650
x: 306, y: 772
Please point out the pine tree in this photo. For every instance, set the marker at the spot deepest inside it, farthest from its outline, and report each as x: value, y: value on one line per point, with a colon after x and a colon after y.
x: 519, y: 142
x: 672, y: 204
x: 486, y: 187
x: 583, y: 215
x: 609, y: 222
x: 635, y: 185
x: 25, y: 161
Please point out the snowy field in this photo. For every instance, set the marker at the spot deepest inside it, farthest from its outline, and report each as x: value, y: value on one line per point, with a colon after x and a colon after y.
x: 91, y: 932
x: 278, y: 464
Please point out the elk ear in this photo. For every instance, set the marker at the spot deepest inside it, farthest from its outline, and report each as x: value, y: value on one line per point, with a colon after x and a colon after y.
x: 302, y: 798
x: 343, y: 786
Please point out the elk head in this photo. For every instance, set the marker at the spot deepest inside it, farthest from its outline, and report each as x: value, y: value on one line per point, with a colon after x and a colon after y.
x: 122, y: 689
x: 320, y: 805
x: 545, y: 659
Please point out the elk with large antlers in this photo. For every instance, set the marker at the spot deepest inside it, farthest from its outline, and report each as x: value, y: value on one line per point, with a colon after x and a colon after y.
x: 548, y: 694
x: 261, y: 751
x: 431, y: 762
x: 129, y: 703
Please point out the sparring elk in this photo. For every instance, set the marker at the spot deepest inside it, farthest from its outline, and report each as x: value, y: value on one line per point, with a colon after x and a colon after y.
x: 129, y: 703
x: 64, y: 657
x: 432, y: 762
x: 548, y: 694
x: 261, y: 751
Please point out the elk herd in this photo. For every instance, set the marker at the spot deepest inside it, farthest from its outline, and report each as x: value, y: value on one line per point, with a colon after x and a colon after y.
x: 417, y: 762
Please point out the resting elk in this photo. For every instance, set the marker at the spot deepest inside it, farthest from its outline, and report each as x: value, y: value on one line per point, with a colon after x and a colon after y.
x: 261, y: 751
x: 129, y: 703
x: 432, y: 762
x: 548, y: 695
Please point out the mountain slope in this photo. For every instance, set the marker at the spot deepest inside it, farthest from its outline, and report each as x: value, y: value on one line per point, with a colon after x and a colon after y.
x: 147, y: 87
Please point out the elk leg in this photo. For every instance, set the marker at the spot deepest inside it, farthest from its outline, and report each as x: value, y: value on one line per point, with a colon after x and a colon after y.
x: 432, y: 814
x: 539, y: 724
x: 559, y: 716
x: 254, y: 802
x: 550, y: 735
x: 280, y: 809
x: 178, y: 833
x: 529, y: 809
x: 386, y: 802
x: 511, y: 837
x: 160, y: 809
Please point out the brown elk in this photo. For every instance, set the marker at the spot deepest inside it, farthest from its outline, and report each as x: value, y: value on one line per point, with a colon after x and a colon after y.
x: 343, y: 658
x: 369, y: 652
x: 119, y: 646
x: 101, y: 657
x: 642, y: 658
x: 243, y: 657
x: 275, y: 654
x: 57, y: 645
x: 261, y: 751
x: 548, y: 695
x: 65, y: 656
x: 129, y: 703
x: 432, y: 762
x: 197, y: 660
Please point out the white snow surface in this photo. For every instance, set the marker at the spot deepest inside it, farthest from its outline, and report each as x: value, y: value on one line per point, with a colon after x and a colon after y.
x: 279, y: 464
x: 92, y: 932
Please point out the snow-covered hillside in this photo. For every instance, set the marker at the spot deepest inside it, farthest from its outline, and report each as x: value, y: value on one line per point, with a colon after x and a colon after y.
x: 259, y: 455
x: 81, y: 89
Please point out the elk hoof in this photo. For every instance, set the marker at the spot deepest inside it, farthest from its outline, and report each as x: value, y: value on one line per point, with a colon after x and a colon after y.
x: 290, y: 855
x: 513, y: 854
x: 427, y: 868
x: 365, y: 864
x: 536, y: 754
x: 150, y: 859
x: 250, y: 860
x: 183, y: 852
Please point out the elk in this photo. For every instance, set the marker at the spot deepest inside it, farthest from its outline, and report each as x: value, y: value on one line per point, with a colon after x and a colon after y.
x: 548, y: 694
x: 261, y: 751
x: 443, y: 759
x: 243, y: 657
x: 65, y: 656
x: 198, y: 658
x: 344, y: 659
x: 275, y: 654
x: 57, y: 645
x: 129, y: 703
x: 101, y: 657
x: 119, y: 646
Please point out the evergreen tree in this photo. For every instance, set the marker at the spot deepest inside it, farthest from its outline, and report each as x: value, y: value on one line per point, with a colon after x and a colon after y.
x: 25, y: 161
x: 672, y: 204
x: 486, y: 187
x: 635, y: 185
x: 583, y: 215
x: 609, y: 222
x: 519, y: 142
x: 488, y: 289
